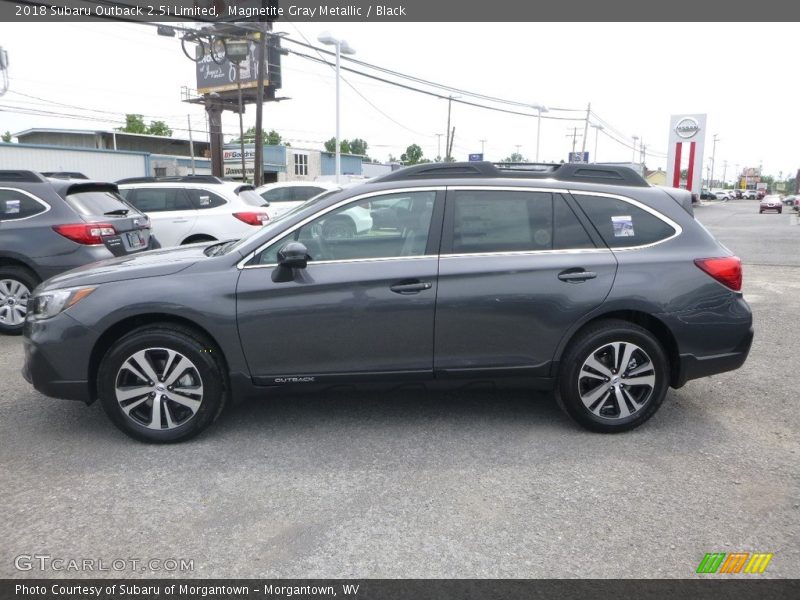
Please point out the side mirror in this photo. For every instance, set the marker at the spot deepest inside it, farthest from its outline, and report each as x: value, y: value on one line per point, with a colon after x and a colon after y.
x: 293, y: 255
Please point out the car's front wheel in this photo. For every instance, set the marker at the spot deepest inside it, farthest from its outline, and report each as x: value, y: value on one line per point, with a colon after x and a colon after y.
x: 162, y: 383
x: 614, y: 377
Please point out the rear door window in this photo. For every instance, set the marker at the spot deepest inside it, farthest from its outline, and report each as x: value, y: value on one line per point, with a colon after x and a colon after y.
x: 16, y: 205
x: 486, y: 221
x: 621, y: 223
x: 304, y: 192
x: 164, y: 199
x: 281, y: 194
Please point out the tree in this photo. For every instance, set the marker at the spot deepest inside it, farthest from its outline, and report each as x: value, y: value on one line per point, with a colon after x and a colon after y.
x: 516, y: 157
x: 412, y: 155
x: 7, y: 137
x: 273, y: 138
x: 344, y: 146
x: 159, y: 128
x: 358, y: 146
x: 133, y: 124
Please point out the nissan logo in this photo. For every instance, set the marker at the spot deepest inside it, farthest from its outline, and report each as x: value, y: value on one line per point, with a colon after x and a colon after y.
x: 687, y: 127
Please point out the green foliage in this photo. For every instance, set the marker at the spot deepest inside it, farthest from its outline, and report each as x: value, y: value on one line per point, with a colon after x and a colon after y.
x: 412, y: 155
x: 7, y: 137
x: 135, y: 124
x: 344, y: 146
x: 515, y: 157
x: 273, y: 138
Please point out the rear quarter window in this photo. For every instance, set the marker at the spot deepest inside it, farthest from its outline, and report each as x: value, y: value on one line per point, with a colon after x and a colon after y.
x: 622, y: 224
x: 16, y: 205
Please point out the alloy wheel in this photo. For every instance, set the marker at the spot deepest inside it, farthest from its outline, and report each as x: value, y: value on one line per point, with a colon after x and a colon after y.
x: 159, y: 388
x: 616, y: 380
x: 14, y: 296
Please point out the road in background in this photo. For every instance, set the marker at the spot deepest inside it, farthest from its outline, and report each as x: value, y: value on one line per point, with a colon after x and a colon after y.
x: 408, y: 483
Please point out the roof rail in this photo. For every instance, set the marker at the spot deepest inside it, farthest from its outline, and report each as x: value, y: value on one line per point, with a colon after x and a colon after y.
x: 574, y: 172
x: 172, y: 178
x: 22, y: 176
x: 64, y: 174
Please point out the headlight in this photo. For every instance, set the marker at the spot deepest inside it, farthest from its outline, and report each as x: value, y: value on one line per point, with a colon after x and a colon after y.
x: 49, y: 304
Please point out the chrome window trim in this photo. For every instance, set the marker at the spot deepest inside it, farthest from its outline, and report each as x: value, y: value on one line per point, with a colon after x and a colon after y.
x: 242, y: 263
x: 36, y: 199
x: 529, y: 253
x: 675, y: 227
x: 351, y: 260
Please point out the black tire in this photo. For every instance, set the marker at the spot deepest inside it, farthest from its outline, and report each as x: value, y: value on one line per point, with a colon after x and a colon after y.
x: 13, y: 295
x: 155, y: 341
x: 338, y: 228
x: 596, y: 341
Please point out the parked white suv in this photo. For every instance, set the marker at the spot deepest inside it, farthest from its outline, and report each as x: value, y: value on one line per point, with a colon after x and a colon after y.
x: 191, y: 209
x: 284, y: 196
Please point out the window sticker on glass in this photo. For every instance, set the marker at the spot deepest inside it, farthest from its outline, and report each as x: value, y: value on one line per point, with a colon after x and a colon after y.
x: 12, y: 207
x: 623, y: 226
x: 205, y: 200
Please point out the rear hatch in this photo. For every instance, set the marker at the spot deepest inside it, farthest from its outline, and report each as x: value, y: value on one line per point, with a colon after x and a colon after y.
x: 108, y: 219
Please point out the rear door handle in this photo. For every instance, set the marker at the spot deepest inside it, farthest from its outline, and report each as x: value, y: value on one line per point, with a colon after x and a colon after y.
x: 413, y: 286
x: 574, y: 276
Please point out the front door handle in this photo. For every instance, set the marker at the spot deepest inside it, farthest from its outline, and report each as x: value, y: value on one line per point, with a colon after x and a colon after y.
x: 576, y: 276
x: 410, y: 286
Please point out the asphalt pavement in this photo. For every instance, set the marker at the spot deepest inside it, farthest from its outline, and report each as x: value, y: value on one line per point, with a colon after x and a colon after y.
x: 407, y: 483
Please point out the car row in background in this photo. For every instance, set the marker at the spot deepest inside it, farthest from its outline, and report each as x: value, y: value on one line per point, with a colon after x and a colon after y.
x: 196, y: 208
x: 51, y: 225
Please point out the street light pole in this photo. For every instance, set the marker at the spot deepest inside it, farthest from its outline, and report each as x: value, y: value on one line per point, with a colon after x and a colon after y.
x: 635, y: 139
x: 713, y: 156
x: 540, y: 108
x: 341, y: 48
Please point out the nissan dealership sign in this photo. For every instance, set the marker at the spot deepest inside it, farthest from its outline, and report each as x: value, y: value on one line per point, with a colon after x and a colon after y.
x: 687, y: 128
x: 687, y: 135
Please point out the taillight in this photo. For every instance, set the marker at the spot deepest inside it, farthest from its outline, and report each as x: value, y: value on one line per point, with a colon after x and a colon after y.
x: 727, y: 270
x: 88, y: 234
x: 252, y: 218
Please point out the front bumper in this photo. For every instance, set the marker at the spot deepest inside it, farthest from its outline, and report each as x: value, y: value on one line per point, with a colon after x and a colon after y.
x: 56, y: 358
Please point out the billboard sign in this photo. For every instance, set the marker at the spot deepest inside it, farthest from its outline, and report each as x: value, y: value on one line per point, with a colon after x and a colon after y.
x: 686, y: 132
x: 213, y: 77
x: 475, y: 157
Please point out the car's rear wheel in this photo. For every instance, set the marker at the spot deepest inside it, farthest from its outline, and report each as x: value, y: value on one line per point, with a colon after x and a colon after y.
x: 614, y: 377
x: 16, y: 285
x: 162, y: 384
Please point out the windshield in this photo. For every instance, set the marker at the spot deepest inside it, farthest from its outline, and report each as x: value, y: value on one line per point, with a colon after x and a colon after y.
x: 99, y: 203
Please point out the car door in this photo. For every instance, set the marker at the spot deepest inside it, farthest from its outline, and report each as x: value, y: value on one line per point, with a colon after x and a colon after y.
x: 363, y: 307
x: 518, y: 269
x: 171, y: 213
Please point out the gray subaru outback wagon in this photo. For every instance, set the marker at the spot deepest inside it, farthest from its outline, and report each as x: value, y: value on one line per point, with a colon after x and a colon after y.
x: 582, y: 279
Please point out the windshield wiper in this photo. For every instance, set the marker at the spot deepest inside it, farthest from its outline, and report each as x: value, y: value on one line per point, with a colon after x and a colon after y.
x: 120, y: 211
x: 219, y: 248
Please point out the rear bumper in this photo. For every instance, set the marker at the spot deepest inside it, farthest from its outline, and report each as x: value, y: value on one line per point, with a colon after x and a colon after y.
x: 694, y: 367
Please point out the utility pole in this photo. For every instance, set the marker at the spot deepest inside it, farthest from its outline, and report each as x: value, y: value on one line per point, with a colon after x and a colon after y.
x: 724, y: 171
x: 586, y: 129
x: 518, y: 146
x: 574, y: 136
x: 449, y: 142
x: 452, y: 139
x: 482, y: 143
x: 597, y: 129
x: 191, y: 141
x: 713, y: 156
x: 635, y: 139
x: 258, y: 159
x: 439, y: 146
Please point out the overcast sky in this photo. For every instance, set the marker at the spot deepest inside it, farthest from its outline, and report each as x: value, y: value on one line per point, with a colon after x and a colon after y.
x: 743, y: 75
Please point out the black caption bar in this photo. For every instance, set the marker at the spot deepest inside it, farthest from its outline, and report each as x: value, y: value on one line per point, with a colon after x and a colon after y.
x: 395, y: 589
x: 675, y: 11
